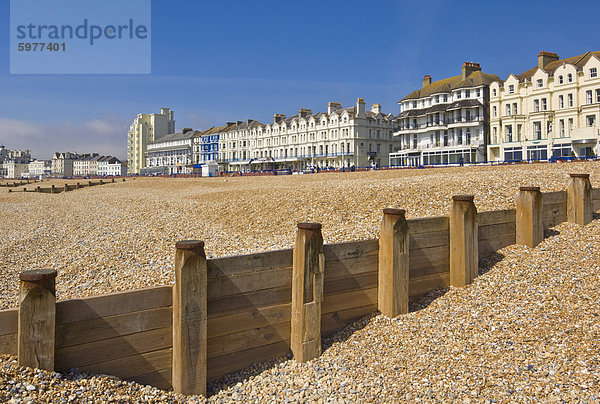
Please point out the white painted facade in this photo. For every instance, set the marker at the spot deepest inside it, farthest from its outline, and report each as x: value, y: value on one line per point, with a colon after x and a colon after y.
x: 39, y: 167
x: 146, y: 128
x: 172, y: 154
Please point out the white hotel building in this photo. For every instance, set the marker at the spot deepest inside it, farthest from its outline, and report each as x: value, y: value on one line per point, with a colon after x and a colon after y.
x: 549, y: 111
x: 446, y: 121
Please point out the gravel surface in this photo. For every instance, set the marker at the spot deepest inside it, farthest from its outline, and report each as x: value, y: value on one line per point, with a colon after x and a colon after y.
x: 525, y: 330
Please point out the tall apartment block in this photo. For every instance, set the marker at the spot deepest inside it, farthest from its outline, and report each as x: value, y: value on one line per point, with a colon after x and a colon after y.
x: 146, y: 128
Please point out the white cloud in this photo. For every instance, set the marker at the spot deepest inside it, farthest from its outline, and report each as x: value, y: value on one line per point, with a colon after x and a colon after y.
x: 106, y: 135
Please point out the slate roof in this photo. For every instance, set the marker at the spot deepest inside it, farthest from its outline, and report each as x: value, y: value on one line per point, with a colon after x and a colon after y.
x: 579, y: 61
x: 474, y: 79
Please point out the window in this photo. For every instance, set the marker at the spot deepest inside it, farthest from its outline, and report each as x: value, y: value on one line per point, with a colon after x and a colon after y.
x: 507, y: 109
x: 519, y: 131
x: 570, y: 96
x: 458, y: 94
x: 561, y: 101
x: 494, y: 92
x: 536, y: 105
x: 570, y: 78
x: 570, y: 126
x: 588, y: 96
x: 494, y: 135
x: 509, y: 133
x: 495, y: 111
x: 593, y: 72
x: 544, y: 104
x: 591, y: 120
x: 560, y: 79
x: 467, y: 93
x: 445, y: 97
x: 561, y: 125
x: 515, y: 108
x: 598, y: 95
x: 478, y: 93
x: 537, y: 130
x: 540, y: 83
x: 511, y: 89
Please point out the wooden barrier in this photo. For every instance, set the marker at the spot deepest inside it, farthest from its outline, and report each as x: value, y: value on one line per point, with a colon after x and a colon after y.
x: 579, y: 199
x: 225, y: 314
x: 67, y: 187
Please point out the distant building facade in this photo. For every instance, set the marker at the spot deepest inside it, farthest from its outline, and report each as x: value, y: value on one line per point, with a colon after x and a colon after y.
x: 549, y: 111
x: 145, y: 129
x: 62, y: 163
x: 446, y: 121
x: 172, y: 154
x: 109, y: 166
x: 40, y: 167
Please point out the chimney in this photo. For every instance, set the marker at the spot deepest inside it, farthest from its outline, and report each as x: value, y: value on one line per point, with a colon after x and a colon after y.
x: 304, y: 112
x: 546, y: 57
x: 376, y: 108
x: 185, y: 130
x: 360, y: 107
x: 332, y: 106
x: 249, y: 121
x: 278, y: 118
x: 426, y: 81
x: 164, y: 111
x: 468, y: 68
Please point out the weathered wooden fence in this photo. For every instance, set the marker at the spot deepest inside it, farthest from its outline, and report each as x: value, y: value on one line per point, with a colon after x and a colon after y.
x: 53, y: 189
x: 224, y: 314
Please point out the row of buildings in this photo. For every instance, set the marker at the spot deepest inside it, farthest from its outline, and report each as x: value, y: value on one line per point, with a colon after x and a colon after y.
x: 19, y: 164
x: 549, y: 111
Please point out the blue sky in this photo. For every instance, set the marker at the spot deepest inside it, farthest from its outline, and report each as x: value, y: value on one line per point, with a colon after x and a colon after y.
x: 232, y: 60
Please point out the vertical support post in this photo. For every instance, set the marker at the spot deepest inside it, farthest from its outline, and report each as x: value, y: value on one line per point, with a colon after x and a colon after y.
x: 529, y: 227
x: 53, y: 189
x: 112, y: 181
x: 307, y: 292
x: 66, y: 187
x: 579, y: 199
x: 464, y: 260
x: 37, y: 319
x: 189, y: 318
x: 38, y: 189
x: 77, y: 186
x: 392, y: 292
x: 89, y: 183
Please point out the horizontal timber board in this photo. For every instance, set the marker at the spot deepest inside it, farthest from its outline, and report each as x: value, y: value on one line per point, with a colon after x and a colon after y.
x: 160, y: 379
x: 496, y: 217
x: 596, y: 193
x: 549, y: 198
x: 426, y: 257
x: 425, y: 284
x: 244, y: 340
x: 231, y: 285
x: 70, y: 311
x: 348, y: 300
x: 9, y: 321
x: 83, y: 332
x: 129, y: 367
x: 430, y: 269
x: 496, y: 230
x: 351, y: 266
x: 335, y: 321
x: 221, y: 365
x: 8, y: 344
x: 345, y: 284
x: 112, y: 348
x: 247, y: 320
x: 428, y: 224
x: 596, y: 205
x: 489, y: 246
x: 350, y: 249
x: 250, y: 300
x: 430, y: 239
x: 239, y: 264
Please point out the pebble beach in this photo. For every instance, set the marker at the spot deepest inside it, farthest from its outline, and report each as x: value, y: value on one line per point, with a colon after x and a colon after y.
x: 525, y: 330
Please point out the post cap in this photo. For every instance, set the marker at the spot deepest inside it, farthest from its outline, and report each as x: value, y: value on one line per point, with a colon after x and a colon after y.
x: 189, y: 244
x: 463, y: 198
x: 309, y: 226
x: 37, y: 275
x: 395, y: 212
x: 529, y: 189
x: 579, y: 175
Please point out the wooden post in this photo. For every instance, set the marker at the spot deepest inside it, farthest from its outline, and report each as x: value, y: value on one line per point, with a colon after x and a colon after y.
x: 38, y: 189
x: 464, y: 260
x: 189, y: 318
x: 307, y: 292
x: 77, y: 186
x: 37, y: 317
x: 113, y: 181
x: 66, y: 187
x: 529, y: 227
x: 392, y: 292
x: 579, y: 199
x: 89, y: 183
x: 52, y: 189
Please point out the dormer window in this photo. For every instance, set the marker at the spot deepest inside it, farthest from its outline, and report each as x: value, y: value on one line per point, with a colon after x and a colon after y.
x: 511, y: 89
x: 560, y: 79
x: 458, y: 94
x: 494, y: 92
x: 593, y: 72
x: 540, y: 83
x: 570, y: 78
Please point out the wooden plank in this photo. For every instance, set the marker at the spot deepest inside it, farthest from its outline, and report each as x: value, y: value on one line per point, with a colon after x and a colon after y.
x: 431, y: 239
x: 430, y: 268
x: 550, y: 198
x: 351, y: 266
x: 113, y: 348
x: 489, y: 246
x: 241, y: 341
x: 129, y: 367
x: 496, y: 230
x: 595, y: 205
x: 248, y: 263
x: 496, y: 217
x: 83, y: 332
x: 335, y: 321
x: 161, y: 379
x: 8, y: 344
x: 428, y: 224
x: 247, y: 320
x: 596, y: 193
x: 249, y: 282
x: 344, y: 284
x: 351, y: 249
x: 71, y: 311
x: 426, y: 257
x: 221, y: 365
x: 251, y: 300
x: 426, y: 284
x: 553, y: 215
x: 348, y: 300
x: 9, y: 320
